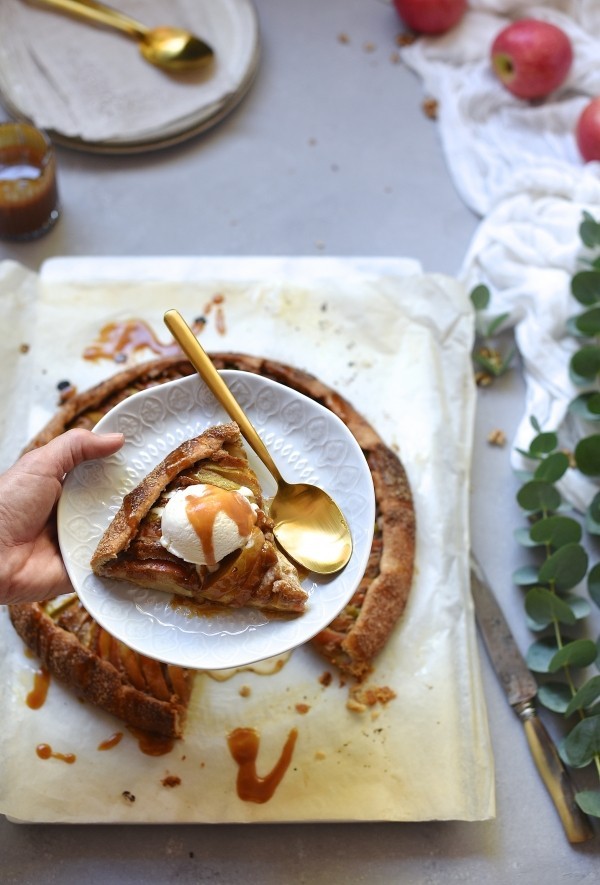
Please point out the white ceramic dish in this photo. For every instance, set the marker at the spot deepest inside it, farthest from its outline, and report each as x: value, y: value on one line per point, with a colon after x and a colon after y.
x: 309, y: 444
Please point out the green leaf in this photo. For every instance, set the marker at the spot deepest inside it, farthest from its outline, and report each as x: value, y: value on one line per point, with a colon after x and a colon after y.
x: 582, y: 743
x: 587, y: 455
x: 537, y: 496
x: 480, y: 297
x: 525, y: 576
x: 585, y: 363
x: 523, y: 537
x: 593, y: 583
x: 540, y: 653
x: 589, y: 802
x: 578, y: 653
x: 585, y: 287
x: 543, y: 444
x: 556, y: 531
x: 571, y: 327
x: 578, y: 605
x: 565, y: 568
x: 535, y: 424
x: 495, y: 324
x: 589, y: 231
x: 552, y: 468
x: 554, y: 696
x: 585, y: 697
x: 588, y: 322
x: 586, y: 406
x: 544, y: 607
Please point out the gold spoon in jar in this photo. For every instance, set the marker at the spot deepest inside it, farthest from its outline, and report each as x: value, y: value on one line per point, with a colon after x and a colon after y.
x: 308, y: 523
x: 171, y: 48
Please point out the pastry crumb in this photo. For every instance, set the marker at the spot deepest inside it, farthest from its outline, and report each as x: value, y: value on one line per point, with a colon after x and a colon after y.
x: 320, y: 755
x: 355, y: 706
x: 171, y: 780
x: 24, y: 348
x: 129, y: 797
x: 245, y: 691
x: 395, y: 58
x: 302, y: 708
x: 497, y: 438
x: 325, y: 678
x: 369, y: 47
x: 405, y: 38
x: 343, y: 38
x: 369, y: 695
x: 430, y: 108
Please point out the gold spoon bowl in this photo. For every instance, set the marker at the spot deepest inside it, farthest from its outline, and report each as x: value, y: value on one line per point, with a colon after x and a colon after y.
x: 309, y: 525
x: 170, y: 48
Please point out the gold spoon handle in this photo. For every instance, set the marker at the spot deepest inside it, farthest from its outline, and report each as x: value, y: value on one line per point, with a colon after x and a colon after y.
x: 200, y: 360
x: 98, y: 12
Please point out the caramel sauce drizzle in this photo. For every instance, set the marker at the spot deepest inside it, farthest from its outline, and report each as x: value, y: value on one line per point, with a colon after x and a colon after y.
x: 112, y: 741
x: 37, y: 696
x: 243, y: 745
x: 152, y: 744
x: 45, y: 751
x: 202, y: 511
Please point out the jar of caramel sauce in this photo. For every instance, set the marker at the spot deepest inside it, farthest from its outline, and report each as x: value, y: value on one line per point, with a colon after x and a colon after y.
x: 28, y: 188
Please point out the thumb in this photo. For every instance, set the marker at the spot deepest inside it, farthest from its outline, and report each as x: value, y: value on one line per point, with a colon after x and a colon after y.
x: 65, y: 452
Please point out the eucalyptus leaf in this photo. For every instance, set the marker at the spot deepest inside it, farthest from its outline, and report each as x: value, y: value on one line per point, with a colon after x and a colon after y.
x: 585, y: 287
x: 525, y: 576
x: 593, y: 584
x: 539, y: 497
x: 588, y: 322
x: 540, y: 653
x: 523, y: 537
x: 586, y: 406
x: 552, y: 468
x: 565, y: 568
x: 585, y: 697
x: 543, y: 444
x: 543, y: 606
x: 582, y: 743
x: 589, y: 802
x: 578, y: 653
x: 585, y: 362
x: 556, y: 531
x: 480, y: 297
x: 495, y: 324
x: 578, y: 605
x: 587, y: 455
x: 589, y: 231
x: 555, y: 696
x: 571, y: 327
x: 535, y: 424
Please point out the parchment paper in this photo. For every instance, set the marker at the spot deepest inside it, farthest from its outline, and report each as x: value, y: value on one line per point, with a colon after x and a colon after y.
x: 397, y: 344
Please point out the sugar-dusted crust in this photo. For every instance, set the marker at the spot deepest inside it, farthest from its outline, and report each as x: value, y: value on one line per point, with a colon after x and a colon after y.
x: 354, y: 639
x: 157, y: 702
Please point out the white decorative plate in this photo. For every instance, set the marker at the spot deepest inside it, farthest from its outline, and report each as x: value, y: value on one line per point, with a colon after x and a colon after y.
x: 45, y: 82
x: 309, y: 444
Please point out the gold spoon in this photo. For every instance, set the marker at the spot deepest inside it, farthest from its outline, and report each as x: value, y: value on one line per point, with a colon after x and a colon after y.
x: 171, y: 48
x: 308, y: 523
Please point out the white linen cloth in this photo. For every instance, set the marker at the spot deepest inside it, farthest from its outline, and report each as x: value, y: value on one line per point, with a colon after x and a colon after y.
x: 517, y: 164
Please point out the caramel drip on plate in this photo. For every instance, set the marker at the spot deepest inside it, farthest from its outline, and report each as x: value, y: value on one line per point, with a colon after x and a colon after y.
x: 37, y: 696
x: 152, y: 744
x: 45, y: 751
x: 202, y: 511
x: 244, y: 745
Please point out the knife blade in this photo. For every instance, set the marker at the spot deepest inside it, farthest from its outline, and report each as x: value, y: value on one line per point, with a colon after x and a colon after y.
x: 521, y: 689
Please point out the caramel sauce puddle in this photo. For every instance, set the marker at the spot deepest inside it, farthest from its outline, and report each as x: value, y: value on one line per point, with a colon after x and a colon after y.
x: 243, y: 745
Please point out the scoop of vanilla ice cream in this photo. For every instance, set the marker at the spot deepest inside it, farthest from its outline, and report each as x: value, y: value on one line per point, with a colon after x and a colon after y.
x: 203, y: 524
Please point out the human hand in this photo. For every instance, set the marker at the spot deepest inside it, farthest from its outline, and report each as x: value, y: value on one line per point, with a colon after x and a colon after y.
x: 31, y: 567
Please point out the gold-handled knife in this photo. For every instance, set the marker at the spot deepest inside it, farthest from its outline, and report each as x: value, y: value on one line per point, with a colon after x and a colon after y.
x: 521, y: 688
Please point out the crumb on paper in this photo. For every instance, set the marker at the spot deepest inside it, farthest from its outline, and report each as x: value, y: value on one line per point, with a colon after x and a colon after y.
x: 129, y: 797
x: 302, y: 708
x: 497, y: 437
x: 369, y: 695
x: 320, y: 755
x: 171, y: 780
x: 24, y: 348
x: 430, y: 108
x: 343, y: 38
x: 245, y: 691
x: 325, y: 678
x: 483, y: 379
x: 369, y: 46
x: 405, y: 38
x: 355, y: 706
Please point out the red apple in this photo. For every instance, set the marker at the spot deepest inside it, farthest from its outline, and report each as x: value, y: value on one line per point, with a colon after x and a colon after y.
x: 431, y: 16
x: 531, y: 58
x: 587, y: 131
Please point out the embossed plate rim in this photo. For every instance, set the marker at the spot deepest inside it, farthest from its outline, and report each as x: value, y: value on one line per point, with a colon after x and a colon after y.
x: 150, y: 625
